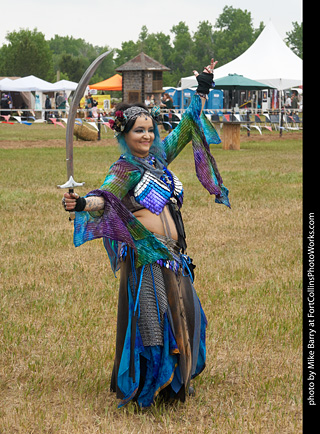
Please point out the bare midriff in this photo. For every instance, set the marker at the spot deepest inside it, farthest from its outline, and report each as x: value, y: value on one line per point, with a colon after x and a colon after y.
x: 154, y: 223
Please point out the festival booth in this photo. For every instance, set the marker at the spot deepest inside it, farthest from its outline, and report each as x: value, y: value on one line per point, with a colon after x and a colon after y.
x: 63, y: 90
x: 268, y: 60
x: 232, y: 122
x: 112, y: 83
x: 20, y: 90
x: 28, y: 84
x: 30, y: 92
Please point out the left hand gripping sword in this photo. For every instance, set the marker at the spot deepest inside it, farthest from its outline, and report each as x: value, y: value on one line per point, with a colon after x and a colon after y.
x: 71, y: 183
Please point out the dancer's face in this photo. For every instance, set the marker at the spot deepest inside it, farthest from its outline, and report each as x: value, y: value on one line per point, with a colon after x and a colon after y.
x: 141, y: 136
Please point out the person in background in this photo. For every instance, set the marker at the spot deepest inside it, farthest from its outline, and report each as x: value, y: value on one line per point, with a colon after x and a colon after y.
x: 95, y: 110
x: 287, y: 103
x: 294, y: 100
x: 47, y: 106
x: 89, y: 105
x: 4, y: 104
x: 167, y: 101
x: 61, y: 104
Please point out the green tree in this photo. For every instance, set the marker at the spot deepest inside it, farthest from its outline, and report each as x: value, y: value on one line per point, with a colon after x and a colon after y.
x: 128, y: 51
x: 72, y: 57
x: 155, y: 45
x: 181, y: 61
x: 203, y: 47
x: 294, y: 39
x: 27, y: 53
x: 73, y: 66
x: 235, y: 34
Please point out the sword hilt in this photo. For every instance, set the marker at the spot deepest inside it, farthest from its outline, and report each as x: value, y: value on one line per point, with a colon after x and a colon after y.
x: 70, y: 184
x: 72, y: 214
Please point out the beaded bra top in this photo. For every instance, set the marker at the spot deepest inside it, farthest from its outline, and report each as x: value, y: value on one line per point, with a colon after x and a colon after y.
x: 157, y: 186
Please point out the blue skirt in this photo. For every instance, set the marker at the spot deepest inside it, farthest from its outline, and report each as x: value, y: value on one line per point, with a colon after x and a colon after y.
x: 161, y: 327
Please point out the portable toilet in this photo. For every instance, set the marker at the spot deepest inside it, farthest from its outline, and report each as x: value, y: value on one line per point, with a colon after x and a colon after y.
x: 215, y: 100
x: 187, y: 95
x: 175, y: 94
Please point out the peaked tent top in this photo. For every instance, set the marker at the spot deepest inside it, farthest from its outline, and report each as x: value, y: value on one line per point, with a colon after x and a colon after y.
x: 5, y: 83
x: 268, y: 60
x: 112, y: 83
x: 29, y: 84
x: 65, y: 85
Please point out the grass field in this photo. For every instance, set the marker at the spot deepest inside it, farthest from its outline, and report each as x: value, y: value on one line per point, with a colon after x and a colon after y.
x: 58, y: 303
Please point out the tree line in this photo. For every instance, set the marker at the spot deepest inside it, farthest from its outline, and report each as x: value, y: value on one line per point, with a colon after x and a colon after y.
x: 29, y: 53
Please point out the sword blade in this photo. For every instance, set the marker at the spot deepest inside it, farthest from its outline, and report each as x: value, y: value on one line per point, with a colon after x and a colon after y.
x: 83, y: 83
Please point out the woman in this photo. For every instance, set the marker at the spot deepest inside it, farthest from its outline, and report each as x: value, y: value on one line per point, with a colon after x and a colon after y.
x: 160, y: 344
x: 167, y: 101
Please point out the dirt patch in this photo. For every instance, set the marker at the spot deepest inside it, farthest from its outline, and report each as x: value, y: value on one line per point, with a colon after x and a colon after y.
x: 22, y: 144
x: 59, y: 143
x: 271, y: 137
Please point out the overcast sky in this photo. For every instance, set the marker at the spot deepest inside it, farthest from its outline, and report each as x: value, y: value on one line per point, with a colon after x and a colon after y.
x: 103, y: 22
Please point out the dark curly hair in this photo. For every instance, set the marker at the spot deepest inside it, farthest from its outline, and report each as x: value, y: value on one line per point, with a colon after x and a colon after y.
x: 122, y: 106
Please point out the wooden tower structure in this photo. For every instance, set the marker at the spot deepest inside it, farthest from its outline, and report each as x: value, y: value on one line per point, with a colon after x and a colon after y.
x: 141, y: 77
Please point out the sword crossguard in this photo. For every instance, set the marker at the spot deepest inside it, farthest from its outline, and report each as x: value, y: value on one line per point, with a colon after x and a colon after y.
x: 71, y: 183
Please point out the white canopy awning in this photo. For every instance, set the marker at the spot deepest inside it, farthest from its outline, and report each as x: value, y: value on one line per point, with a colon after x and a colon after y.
x: 64, y: 85
x: 32, y: 83
x: 4, y: 83
x: 268, y: 60
x: 28, y: 84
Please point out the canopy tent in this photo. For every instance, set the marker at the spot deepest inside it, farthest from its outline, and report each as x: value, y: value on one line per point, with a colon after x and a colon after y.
x: 32, y: 83
x: 236, y: 81
x: 19, y: 97
x: 29, y: 84
x: 64, y: 85
x: 112, y: 83
x: 268, y: 60
x: 21, y: 89
x: 4, y: 83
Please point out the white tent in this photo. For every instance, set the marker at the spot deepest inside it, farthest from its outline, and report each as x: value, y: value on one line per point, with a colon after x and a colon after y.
x: 28, y: 84
x: 268, y: 60
x: 34, y: 84
x: 4, y: 83
x: 64, y: 85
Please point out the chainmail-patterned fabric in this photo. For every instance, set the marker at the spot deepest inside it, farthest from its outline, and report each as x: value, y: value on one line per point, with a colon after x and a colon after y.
x: 152, y: 297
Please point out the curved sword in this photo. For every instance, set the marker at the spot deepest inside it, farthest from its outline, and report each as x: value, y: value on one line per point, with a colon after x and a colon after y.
x: 71, y: 183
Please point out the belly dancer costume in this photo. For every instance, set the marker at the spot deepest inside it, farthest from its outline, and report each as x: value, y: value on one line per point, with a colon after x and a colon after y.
x: 160, y: 342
